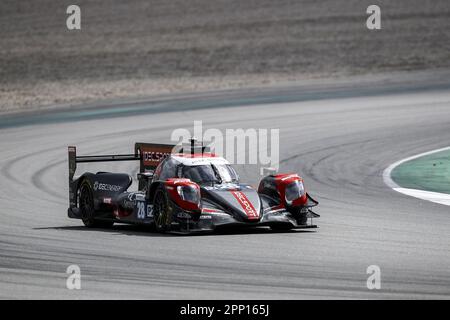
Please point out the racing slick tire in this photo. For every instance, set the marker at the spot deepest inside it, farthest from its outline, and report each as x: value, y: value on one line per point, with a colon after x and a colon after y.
x: 161, y: 210
x: 301, y: 215
x: 86, y: 205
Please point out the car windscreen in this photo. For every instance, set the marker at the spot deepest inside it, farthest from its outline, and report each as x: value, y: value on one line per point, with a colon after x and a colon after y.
x: 226, y: 173
x: 210, y: 174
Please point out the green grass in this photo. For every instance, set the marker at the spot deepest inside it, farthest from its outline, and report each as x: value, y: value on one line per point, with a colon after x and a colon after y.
x: 430, y: 173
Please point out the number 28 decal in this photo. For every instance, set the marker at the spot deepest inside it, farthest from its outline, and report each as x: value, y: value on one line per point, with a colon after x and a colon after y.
x: 140, y: 209
x: 143, y: 211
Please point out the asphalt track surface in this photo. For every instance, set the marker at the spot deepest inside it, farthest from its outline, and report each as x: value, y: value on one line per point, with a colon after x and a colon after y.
x: 340, y: 144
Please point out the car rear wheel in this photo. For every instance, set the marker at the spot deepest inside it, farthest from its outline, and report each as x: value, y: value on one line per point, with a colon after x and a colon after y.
x: 160, y: 210
x: 86, y: 205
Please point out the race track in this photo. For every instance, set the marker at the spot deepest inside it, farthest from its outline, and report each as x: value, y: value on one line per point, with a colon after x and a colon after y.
x: 340, y: 145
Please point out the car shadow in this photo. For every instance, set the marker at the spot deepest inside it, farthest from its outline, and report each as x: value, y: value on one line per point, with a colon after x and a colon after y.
x: 148, y: 231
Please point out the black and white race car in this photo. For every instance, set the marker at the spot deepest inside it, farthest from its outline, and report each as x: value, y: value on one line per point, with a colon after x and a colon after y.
x: 185, y: 192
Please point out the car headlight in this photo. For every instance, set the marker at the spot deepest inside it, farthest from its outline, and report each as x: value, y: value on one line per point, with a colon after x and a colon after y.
x: 189, y: 193
x: 294, y: 190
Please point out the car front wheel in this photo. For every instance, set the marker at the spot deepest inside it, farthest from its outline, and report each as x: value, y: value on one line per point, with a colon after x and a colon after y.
x: 160, y: 210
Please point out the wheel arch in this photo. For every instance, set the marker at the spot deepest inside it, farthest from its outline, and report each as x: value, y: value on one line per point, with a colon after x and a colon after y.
x: 84, y: 177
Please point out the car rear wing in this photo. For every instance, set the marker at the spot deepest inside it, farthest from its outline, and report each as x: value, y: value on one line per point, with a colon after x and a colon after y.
x: 148, y: 154
x: 151, y: 154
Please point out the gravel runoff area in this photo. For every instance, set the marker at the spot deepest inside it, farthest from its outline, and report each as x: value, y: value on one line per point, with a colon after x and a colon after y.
x: 140, y: 48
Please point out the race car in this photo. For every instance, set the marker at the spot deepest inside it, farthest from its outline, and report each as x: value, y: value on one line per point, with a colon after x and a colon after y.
x: 187, y: 191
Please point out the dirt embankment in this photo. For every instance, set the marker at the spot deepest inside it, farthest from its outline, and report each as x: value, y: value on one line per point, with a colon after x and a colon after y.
x: 139, y: 48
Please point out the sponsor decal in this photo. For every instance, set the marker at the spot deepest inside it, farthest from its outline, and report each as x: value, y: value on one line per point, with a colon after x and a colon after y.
x: 149, y: 211
x: 106, y: 186
x: 250, y: 211
x: 128, y: 204
x: 152, y: 158
x: 183, y: 215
